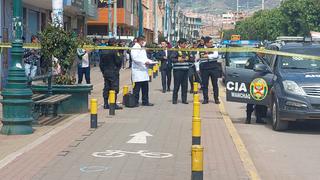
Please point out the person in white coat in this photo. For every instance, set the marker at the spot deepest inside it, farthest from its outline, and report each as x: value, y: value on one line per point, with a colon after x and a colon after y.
x: 140, y: 77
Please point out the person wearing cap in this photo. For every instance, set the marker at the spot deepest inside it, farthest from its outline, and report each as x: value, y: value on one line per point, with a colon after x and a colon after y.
x: 110, y: 65
x: 140, y: 76
x: 181, y: 63
x: 209, y: 68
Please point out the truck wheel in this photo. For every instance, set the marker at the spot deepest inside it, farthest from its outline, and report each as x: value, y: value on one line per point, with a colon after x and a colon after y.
x: 277, y: 123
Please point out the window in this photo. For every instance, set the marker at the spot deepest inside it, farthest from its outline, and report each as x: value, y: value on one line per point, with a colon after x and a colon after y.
x: 104, y: 3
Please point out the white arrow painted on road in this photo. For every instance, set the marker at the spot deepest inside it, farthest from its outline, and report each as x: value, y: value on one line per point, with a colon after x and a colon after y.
x: 139, y: 138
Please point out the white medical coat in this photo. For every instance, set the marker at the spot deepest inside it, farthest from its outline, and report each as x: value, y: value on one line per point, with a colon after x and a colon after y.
x: 139, y: 68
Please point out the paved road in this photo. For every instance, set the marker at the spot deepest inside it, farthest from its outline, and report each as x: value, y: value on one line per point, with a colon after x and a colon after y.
x: 280, y: 155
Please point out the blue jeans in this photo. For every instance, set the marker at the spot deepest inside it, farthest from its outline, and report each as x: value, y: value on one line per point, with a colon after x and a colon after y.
x: 84, y: 71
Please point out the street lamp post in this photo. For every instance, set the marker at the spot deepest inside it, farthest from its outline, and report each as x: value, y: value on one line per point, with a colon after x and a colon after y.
x: 17, y: 103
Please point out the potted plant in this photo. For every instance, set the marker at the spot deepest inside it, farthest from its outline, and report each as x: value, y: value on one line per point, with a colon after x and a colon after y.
x: 58, y: 49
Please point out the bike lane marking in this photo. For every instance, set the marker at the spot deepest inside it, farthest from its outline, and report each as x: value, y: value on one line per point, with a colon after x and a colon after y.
x: 91, y: 169
x: 139, y: 138
x: 120, y: 153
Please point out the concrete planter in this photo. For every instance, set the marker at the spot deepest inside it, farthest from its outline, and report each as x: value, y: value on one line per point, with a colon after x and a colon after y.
x: 77, y: 103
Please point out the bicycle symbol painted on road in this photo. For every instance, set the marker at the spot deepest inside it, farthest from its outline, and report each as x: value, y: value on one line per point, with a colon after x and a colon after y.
x: 120, y: 153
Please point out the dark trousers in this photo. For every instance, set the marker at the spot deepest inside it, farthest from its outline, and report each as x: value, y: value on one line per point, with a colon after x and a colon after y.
x: 110, y: 83
x: 83, y: 71
x: 166, y: 79
x: 180, y: 78
x: 260, y: 111
x: 205, y: 75
x: 193, y: 77
x: 144, y: 86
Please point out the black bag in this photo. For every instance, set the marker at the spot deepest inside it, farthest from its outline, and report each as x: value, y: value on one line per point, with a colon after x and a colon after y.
x: 129, y: 100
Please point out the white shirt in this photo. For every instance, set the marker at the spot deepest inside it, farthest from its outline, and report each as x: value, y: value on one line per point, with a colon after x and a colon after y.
x: 85, y: 57
x: 85, y: 60
x: 215, y: 54
x: 139, y: 60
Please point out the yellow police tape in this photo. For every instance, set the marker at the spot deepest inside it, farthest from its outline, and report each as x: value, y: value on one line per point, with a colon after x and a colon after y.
x: 229, y: 49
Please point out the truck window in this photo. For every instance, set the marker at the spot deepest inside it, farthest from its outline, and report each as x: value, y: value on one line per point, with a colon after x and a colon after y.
x: 238, y: 59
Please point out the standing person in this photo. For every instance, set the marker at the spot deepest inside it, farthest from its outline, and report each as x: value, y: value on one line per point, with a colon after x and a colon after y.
x: 110, y: 65
x: 140, y: 76
x: 209, y: 68
x: 83, y: 65
x: 192, y: 70
x: 31, y: 59
x: 165, y: 67
x: 181, y: 62
x: 123, y: 54
x: 95, y: 53
x: 201, y: 43
x: 260, y: 110
x: 131, y: 45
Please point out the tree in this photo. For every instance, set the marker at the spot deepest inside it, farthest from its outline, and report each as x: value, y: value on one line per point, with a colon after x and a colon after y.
x: 292, y: 18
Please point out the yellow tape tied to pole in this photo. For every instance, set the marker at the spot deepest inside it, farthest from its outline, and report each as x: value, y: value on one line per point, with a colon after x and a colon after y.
x: 230, y: 49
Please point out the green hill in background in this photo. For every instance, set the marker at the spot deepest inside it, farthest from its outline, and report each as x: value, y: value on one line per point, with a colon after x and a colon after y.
x: 220, y: 6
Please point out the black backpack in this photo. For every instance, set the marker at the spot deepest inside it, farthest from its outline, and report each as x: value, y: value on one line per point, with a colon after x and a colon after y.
x: 129, y: 100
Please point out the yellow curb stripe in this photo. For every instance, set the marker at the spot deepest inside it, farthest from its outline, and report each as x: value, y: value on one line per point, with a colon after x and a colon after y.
x: 242, y: 150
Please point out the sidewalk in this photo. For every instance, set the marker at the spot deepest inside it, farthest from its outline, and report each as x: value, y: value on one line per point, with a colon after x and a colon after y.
x: 67, y: 154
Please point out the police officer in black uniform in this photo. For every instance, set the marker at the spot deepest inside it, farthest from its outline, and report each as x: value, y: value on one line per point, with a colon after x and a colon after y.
x: 181, y: 63
x: 209, y: 68
x: 165, y: 67
x: 260, y: 110
x: 192, y: 70
x: 110, y: 65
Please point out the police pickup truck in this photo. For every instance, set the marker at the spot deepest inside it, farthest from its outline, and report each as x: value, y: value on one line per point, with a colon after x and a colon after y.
x: 236, y: 59
x: 288, y: 85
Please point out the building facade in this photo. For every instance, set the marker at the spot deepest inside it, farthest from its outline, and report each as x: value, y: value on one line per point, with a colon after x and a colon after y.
x: 36, y: 16
x: 188, y: 26
x: 127, y: 18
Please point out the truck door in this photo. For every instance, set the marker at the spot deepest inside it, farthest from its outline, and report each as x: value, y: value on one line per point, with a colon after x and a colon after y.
x: 248, y: 86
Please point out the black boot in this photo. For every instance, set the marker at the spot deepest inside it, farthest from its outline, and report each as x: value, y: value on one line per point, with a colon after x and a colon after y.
x: 106, y: 104
x: 118, y: 107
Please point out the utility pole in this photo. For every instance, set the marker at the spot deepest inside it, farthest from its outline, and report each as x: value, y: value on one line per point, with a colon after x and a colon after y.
x: 140, y: 19
x: 155, y: 16
x: 115, y: 18
x: 262, y: 5
x: 169, y: 22
x: 17, y: 102
x: 166, y: 19
x: 109, y: 18
x: 237, y: 16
